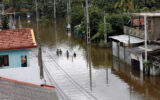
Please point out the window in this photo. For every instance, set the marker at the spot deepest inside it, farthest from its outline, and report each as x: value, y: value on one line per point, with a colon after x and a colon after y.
x: 4, y: 60
x: 24, y: 61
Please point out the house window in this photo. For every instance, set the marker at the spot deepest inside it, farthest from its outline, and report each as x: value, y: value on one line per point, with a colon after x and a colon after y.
x: 4, y: 60
x: 24, y: 61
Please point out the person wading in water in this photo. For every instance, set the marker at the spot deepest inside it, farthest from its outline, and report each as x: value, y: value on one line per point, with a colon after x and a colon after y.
x: 57, y: 52
x: 74, y: 55
x: 60, y: 52
x: 67, y: 54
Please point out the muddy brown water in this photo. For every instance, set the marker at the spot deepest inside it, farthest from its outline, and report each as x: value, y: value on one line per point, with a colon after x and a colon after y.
x: 103, y: 75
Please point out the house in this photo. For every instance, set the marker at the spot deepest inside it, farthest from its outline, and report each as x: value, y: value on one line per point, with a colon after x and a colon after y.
x: 14, y: 47
x: 140, y: 41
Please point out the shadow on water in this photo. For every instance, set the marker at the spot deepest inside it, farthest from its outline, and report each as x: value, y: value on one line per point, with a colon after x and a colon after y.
x: 108, y: 77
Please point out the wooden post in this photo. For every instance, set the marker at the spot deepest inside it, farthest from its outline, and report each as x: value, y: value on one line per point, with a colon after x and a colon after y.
x: 145, y: 31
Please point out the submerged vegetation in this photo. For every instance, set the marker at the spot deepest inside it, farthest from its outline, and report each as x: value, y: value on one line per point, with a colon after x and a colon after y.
x: 115, y: 9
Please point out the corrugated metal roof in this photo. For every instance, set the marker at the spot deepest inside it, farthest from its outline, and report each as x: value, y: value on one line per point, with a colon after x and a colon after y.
x: 149, y: 14
x: 125, y: 39
x: 141, y: 49
x: 16, y: 91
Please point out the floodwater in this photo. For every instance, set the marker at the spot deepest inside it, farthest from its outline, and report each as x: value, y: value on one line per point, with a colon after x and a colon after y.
x: 94, y: 72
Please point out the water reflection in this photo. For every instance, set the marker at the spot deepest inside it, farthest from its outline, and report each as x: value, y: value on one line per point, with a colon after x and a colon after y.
x: 147, y: 86
x: 95, y: 68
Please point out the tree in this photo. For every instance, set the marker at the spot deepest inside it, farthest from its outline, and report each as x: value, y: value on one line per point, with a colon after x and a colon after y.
x: 77, y: 15
x: 144, y: 3
x: 95, y: 15
x: 125, y: 5
x: 100, y: 32
x: 5, y: 22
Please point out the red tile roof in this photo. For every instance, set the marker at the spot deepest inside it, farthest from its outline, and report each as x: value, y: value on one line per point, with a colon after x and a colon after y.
x: 23, y: 9
x: 10, y: 10
x: 13, y: 39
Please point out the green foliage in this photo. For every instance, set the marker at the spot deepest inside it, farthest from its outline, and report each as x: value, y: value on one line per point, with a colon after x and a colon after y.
x: 5, y: 22
x: 95, y: 15
x: 100, y: 32
x: 101, y: 43
x: 117, y: 21
x: 77, y: 15
x: 44, y: 18
x: 146, y: 63
x: 61, y: 7
x: 111, y: 9
x: 144, y: 3
x: 124, y: 5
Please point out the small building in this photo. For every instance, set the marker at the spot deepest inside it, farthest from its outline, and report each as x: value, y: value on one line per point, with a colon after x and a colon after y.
x: 130, y: 46
x: 14, y: 47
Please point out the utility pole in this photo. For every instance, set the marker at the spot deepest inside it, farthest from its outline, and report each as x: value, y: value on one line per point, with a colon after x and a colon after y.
x: 145, y: 31
x: 69, y: 9
x: 88, y: 24
x: 105, y: 31
x: 69, y: 15
x: 55, y: 11
x: 40, y: 61
x: 20, y: 24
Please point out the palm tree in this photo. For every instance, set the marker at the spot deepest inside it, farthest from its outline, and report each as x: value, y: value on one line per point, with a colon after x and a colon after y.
x: 124, y: 4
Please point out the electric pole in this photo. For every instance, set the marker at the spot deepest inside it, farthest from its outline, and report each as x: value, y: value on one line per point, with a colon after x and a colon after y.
x: 88, y: 24
x: 55, y: 11
x: 40, y: 61
x: 105, y: 31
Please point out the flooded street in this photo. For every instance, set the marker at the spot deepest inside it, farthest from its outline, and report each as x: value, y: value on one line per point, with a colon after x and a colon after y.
x: 94, y: 74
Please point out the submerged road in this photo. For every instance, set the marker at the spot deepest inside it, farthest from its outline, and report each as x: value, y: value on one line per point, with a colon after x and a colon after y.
x: 72, y: 89
x: 93, y: 74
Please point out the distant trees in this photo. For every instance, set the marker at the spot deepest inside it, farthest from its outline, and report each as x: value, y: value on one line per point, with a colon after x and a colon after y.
x: 125, y: 5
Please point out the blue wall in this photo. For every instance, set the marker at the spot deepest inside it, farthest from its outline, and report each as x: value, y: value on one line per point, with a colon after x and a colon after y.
x: 15, y: 57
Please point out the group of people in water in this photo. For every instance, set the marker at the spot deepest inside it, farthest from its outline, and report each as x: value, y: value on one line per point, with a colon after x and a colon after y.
x: 59, y: 52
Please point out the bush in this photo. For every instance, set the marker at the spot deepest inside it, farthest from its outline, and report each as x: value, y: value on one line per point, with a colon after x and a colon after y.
x: 101, y: 43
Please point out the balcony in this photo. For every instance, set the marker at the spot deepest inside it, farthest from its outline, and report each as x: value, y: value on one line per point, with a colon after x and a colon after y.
x: 134, y: 31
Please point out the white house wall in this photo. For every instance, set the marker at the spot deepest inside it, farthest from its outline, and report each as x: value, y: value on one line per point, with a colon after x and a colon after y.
x: 121, y: 52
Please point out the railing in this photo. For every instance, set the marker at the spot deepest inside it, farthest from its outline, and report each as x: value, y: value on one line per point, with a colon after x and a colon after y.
x: 134, y: 31
x: 154, y: 59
